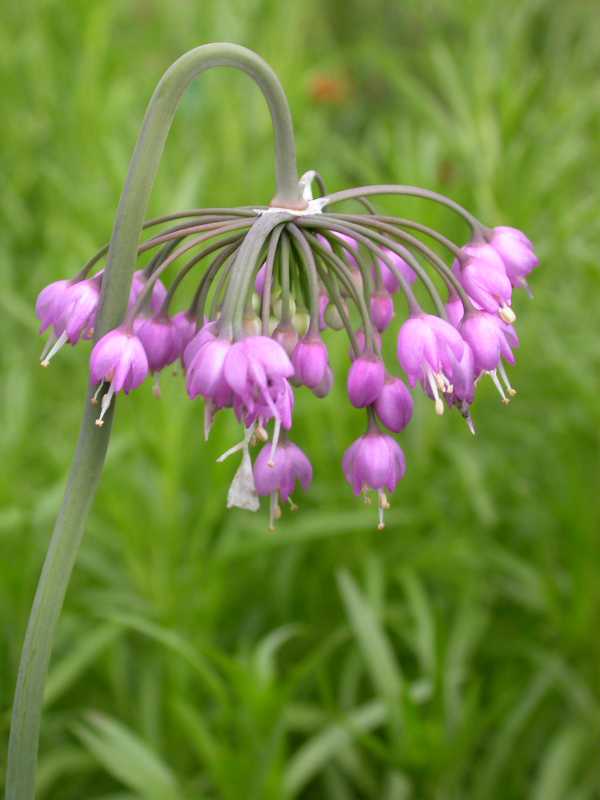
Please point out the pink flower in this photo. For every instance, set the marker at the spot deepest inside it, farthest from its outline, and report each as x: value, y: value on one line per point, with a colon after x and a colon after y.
x: 279, y: 473
x: 374, y: 461
x: 254, y: 369
x: 158, y: 336
x: 365, y: 380
x: 427, y: 349
x: 184, y: 330
x: 394, y: 405
x: 70, y: 307
x: 118, y: 358
x: 277, y: 402
x: 454, y: 308
x: 205, y: 372
x: 310, y: 360
x: 516, y: 251
x: 361, y: 341
x: 463, y: 376
x: 323, y: 303
x: 488, y: 338
x: 350, y: 244
x: 206, y: 333
x: 382, y: 309
x: 138, y: 284
x: 287, y: 336
x: 323, y: 388
x: 51, y: 303
x: 484, y: 278
x: 390, y: 281
x: 78, y: 316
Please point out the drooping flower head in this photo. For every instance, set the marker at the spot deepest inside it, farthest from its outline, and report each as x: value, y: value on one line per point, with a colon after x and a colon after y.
x: 259, y: 331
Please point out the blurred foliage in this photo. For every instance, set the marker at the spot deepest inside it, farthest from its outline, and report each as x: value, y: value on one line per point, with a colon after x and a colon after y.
x: 453, y: 655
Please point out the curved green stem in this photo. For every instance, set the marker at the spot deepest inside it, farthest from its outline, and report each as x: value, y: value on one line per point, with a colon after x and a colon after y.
x: 93, y: 441
x: 409, y: 191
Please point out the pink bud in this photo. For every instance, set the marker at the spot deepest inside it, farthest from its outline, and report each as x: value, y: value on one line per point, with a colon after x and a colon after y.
x: 390, y: 280
x: 382, y: 309
x: 365, y: 380
x: 516, y: 251
x: 394, y: 405
x: 157, y: 335
x: 287, y: 336
x: 310, y: 360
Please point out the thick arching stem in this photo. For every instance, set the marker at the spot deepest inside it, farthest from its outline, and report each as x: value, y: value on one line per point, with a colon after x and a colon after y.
x: 93, y: 441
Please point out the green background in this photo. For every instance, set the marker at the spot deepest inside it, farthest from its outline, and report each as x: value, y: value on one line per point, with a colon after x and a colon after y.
x: 453, y: 655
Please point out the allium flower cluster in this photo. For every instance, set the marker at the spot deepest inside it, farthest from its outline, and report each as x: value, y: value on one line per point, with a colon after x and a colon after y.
x: 258, y: 330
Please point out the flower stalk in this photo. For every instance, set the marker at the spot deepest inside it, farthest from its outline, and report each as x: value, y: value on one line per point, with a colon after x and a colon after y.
x: 93, y: 440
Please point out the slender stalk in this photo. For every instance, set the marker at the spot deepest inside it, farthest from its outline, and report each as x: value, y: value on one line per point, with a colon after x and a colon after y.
x: 231, y: 242
x: 265, y: 311
x: 438, y: 264
x: 242, y: 268
x: 151, y: 223
x: 93, y: 441
x: 410, y: 191
x: 205, y: 285
x: 401, y: 222
x: 308, y: 258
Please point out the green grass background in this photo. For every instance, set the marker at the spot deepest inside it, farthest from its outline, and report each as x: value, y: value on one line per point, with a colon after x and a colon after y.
x: 455, y: 655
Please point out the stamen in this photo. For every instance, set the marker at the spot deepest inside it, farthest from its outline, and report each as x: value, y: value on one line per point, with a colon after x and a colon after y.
x: 274, y: 511
x: 365, y: 495
x: 498, y: 386
x: 276, y: 432
x: 512, y: 392
x: 443, y: 383
x: 439, y: 405
x: 383, y: 506
x: 105, y: 405
x: 57, y: 345
x: 209, y: 418
x: 260, y: 434
x: 470, y: 423
x: 94, y: 400
x: 51, y: 339
x: 293, y: 505
x: 507, y: 315
x: 156, y: 385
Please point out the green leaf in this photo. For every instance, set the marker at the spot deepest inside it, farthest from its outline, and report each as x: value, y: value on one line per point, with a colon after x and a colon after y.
x: 322, y: 748
x: 559, y: 766
x: 376, y: 649
x: 79, y: 658
x: 127, y: 758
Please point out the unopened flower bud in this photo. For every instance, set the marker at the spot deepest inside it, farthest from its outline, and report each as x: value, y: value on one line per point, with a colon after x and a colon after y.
x: 365, y: 380
x: 382, y: 309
